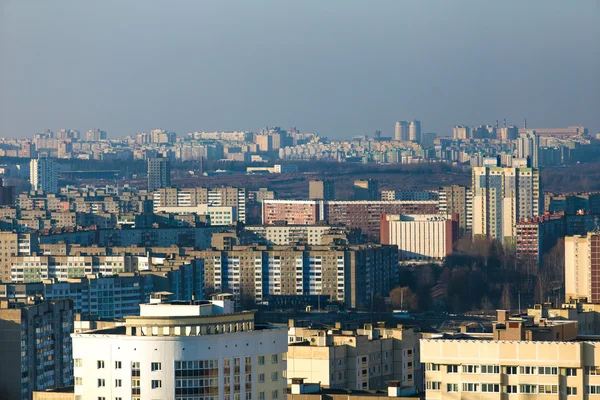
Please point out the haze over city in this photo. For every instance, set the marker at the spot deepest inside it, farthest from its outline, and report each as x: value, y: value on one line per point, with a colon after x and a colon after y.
x: 339, y: 68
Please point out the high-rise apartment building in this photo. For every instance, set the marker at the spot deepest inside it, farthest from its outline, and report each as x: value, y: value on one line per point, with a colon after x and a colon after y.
x: 414, y: 131
x: 582, y: 267
x: 401, y: 131
x: 503, y: 196
x: 36, y: 347
x: 528, y: 147
x: 366, y: 189
x: 321, y: 190
x: 192, y: 197
x: 457, y: 200
x: 461, y: 132
x: 350, y: 275
x: 43, y: 175
x: 159, y: 173
x: 293, y: 212
x: 420, y: 237
x: 536, y: 236
x: 175, y: 351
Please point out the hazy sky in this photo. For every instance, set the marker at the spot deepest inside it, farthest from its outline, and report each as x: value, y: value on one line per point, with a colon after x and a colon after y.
x: 340, y: 68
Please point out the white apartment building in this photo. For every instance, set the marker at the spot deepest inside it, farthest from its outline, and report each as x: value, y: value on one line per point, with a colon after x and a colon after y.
x: 502, y: 196
x: 181, y: 351
x: 419, y: 236
x: 43, y: 175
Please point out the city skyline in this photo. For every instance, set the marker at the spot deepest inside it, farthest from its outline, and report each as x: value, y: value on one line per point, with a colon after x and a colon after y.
x: 336, y: 70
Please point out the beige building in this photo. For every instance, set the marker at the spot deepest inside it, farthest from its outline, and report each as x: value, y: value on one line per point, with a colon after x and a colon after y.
x: 582, y: 267
x: 521, y: 359
x: 362, y: 359
x: 321, y: 190
x: 13, y: 245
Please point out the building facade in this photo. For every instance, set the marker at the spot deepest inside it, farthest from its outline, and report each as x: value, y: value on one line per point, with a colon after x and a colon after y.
x: 458, y: 200
x: 360, y: 359
x: 502, y: 196
x: 43, y: 175
x: 420, y: 237
x: 159, y: 173
x: 193, y: 197
x: 582, y: 267
x: 36, y: 347
x: 350, y: 275
x: 175, y: 351
x: 536, y: 236
x: 321, y: 190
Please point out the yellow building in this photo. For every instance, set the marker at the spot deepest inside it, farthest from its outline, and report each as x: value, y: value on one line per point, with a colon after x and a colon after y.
x: 362, y: 359
x: 521, y: 359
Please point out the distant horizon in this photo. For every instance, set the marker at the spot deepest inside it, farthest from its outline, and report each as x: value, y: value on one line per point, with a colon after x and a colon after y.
x: 370, y: 135
x: 336, y: 68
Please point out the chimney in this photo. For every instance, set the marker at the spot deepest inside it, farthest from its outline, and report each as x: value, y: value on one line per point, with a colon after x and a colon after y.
x: 502, y: 316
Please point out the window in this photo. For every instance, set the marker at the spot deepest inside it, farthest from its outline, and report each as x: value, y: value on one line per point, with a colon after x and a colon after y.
x: 101, y: 398
x: 118, y: 383
x: 434, y: 385
x: 528, y: 389
x: 593, y: 389
x: 490, y: 387
x: 470, y: 387
x: 261, y: 377
x: 527, y: 370
x: 100, y: 364
x: 261, y: 361
x: 118, y: 365
x: 274, y: 359
x: 548, y: 389
x: 511, y: 370
x: 156, y: 384
x: 452, y: 387
x: 101, y: 383
x: 490, y: 369
x: 571, y: 391
x: 548, y: 370
x: 261, y: 395
x: 155, y: 366
x: 78, y: 381
x: 433, y: 367
x: 592, y: 370
x: 511, y: 389
x: 452, y: 369
x: 78, y: 362
x: 275, y: 394
x: 470, y: 369
x: 571, y: 372
x: 274, y: 376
